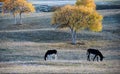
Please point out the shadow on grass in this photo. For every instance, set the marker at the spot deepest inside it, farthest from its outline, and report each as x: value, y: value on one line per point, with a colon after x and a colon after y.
x: 47, y: 36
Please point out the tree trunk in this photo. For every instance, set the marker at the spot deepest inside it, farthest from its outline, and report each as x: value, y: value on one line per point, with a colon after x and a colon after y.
x: 20, y: 18
x: 73, y: 32
x: 14, y: 19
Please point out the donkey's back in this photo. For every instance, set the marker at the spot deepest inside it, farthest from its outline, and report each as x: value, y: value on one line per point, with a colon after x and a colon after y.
x: 93, y: 51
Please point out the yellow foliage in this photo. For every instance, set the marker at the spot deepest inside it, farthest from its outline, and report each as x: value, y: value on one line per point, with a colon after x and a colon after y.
x: 17, y: 6
x: 77, y: 18
x: 96, y: 27
x: 87, y: 3
x: 24, y: 6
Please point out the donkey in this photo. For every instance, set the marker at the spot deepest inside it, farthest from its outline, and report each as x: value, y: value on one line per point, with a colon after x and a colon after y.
x: 50, y: 54
x: 96, y: 53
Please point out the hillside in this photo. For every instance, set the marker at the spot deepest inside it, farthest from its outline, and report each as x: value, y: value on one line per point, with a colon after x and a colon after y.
x: 22, y: 47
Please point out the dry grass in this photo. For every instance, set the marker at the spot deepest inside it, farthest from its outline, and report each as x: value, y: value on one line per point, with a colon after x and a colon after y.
x: 106, y: 67
x: 22, y: 47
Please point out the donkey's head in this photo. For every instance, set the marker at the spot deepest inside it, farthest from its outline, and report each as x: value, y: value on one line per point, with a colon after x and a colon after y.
x: 101, y: 58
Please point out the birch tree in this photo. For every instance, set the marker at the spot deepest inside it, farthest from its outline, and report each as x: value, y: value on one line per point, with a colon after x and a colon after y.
x: 23, y: 7
x: 17, y: 7
x: 78, y: 17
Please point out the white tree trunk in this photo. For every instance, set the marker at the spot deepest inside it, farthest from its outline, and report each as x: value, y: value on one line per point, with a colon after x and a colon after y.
x: 14, y: 18
x: 20, y: 18
x: 73, y: 32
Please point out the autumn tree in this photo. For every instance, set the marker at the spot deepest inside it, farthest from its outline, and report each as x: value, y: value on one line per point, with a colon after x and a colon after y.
x: 24, y: 7
x: 76, y: 18
x: 9, y: 6
x: 17, y: 7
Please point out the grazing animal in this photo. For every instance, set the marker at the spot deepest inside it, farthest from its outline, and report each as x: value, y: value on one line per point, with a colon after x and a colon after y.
x: 50, y: 54
x: 96, y: 53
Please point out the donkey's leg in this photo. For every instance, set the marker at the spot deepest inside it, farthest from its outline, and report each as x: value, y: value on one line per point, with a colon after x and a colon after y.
x: 88, y: 57
x: 49, y: 57
x: 55, y: 56
x: 97, y: 58
x: 94, y: 57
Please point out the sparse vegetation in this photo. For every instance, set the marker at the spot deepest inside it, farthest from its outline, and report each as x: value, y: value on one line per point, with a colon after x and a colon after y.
x: 22, y: 47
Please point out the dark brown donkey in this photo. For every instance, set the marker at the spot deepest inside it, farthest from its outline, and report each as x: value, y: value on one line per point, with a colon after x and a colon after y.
x: 50, y: 53
x: 96, y: 53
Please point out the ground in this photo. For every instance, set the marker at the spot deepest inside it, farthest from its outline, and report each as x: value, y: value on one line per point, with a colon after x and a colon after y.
x: 22, y: 47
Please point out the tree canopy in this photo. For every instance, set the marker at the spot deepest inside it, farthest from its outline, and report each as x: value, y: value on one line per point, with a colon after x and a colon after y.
x: 86, y: 3
x: 17, y: 7
x: 78, y: 17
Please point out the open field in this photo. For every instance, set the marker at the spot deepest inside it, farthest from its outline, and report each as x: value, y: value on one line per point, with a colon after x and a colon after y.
x: 22, y: 47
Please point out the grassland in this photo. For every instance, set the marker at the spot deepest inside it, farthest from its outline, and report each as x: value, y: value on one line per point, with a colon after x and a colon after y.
x: 22, y: 47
